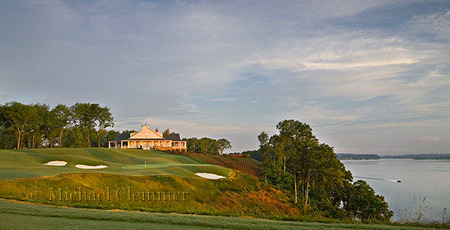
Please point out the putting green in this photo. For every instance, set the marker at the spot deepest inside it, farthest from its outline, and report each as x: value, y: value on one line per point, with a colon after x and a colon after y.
x: 15, y: 164
x: 163, y: 165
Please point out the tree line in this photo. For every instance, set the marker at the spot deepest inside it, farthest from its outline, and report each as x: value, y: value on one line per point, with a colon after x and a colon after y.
x: 295, y: 160
x: 352, y: 156
x: 38, y: 125
x: 207, y: 145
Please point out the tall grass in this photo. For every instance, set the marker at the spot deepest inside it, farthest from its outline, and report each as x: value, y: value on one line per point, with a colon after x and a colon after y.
x: 419, y: 213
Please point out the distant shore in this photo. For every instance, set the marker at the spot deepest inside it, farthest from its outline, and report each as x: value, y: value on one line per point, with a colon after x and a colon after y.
x: 428, y: 156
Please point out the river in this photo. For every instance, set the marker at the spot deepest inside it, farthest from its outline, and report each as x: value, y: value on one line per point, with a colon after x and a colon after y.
x: 420, y: 179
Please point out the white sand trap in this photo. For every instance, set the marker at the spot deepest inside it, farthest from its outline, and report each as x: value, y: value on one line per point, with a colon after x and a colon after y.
x: 56, y: 163
x: 209, y: 176
x: 91, y: 166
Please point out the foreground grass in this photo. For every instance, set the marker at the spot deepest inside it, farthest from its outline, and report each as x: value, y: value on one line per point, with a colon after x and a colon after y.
x: 15, y: 215
x: 238, y: 195
x: 25, y: 163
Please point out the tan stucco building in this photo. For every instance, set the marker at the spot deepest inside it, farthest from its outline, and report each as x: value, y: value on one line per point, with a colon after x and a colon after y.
x: 149, y: 139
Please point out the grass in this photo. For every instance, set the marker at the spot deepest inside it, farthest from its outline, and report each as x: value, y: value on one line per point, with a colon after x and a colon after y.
x: 238, y: 195
x: 25, y: 163
x: 247, y: 165
x: 131, y: 182
x: 26, y: 178
x: 15, y: 215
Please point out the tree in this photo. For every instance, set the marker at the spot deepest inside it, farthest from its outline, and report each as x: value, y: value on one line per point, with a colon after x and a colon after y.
x: 36, y: 125
x: 192, y: 144
x: 300, y: 148
x: 40, y: 122
x: 297, y: 158
x: 362, y: 203
x: 111, y: 135
x: 105, y: 120
x: 84, y: 116
x: 204, y: 145
x: 208, y: 146
x: 265, y: 152
x: 63, y: 117
x: 17, y: 116
x: 223, y: 144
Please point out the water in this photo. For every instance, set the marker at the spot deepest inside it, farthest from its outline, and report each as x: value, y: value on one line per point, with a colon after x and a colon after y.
x: 428, y: 179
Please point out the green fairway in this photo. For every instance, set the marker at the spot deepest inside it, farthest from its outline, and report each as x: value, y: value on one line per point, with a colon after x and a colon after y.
x: 28, y: 216
x: 136, y: 180
x: 25, y: 163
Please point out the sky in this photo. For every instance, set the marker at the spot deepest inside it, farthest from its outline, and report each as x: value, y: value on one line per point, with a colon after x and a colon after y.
x: 368, y: 76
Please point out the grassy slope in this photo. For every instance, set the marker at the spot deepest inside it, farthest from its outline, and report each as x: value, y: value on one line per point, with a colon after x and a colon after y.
x: 29, y: 163
x: 28, y: 216
x: 247, y: 165
x: 239, y: 194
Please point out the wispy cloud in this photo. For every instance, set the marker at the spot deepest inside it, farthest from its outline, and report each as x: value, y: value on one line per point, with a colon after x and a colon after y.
x: 431, y: 139
x: 223, y: 99
x: 350, y: 68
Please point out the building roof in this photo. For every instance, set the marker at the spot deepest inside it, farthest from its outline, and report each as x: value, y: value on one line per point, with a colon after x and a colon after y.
x: 147, y: 139
x: 148, y: 134
x: 172, y: 136
x: 122, y: 136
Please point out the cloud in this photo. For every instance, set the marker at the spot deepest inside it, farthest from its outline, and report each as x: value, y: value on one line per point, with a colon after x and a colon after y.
x: 236, y: 68
x: 437, y: 24
x: 430, y: 139
x: 223, y: 99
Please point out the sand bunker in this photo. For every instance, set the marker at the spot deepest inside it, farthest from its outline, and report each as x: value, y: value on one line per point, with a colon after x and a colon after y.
x: 56, y: 163
x: 209, y: 176
x: 91, y: 166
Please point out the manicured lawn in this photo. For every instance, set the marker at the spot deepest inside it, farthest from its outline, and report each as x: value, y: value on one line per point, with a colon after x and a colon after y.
x: 25, y: 163
x: 141, y: 175
x: 15, y: 215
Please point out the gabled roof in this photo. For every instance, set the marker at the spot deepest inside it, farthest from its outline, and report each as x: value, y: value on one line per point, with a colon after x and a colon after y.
x: 145, y: 134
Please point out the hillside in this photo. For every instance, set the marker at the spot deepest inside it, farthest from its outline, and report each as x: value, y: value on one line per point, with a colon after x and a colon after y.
x: 243, y: 164
x: 167, y: 184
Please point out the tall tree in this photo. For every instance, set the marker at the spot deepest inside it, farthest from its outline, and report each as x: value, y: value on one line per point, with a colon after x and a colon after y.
x: 39, y: 123
x: 265, y: 152
x: 223, y: 144
x: 17, y: 116
x: 84, y: 116
x: 315, y: 169
x: 63, y: 118
x: 105, y: 120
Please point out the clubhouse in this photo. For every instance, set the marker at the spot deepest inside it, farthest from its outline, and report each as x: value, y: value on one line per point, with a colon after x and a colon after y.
x: 149, y: 139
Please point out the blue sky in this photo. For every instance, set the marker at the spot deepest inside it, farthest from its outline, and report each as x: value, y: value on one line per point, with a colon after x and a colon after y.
x: 368, y: 76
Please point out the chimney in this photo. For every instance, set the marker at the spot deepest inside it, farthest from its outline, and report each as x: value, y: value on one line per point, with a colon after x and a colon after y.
x: 167, y: 131
x: 156, y: 130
